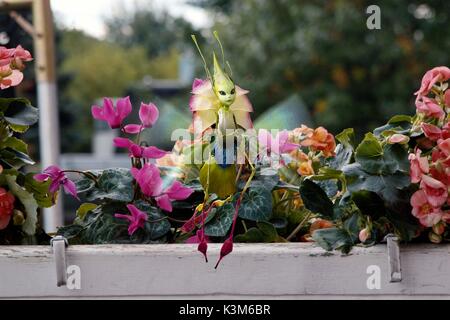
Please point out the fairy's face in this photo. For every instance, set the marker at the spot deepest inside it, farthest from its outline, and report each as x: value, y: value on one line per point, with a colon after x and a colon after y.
x: 223, y: 86
x: 225, y: 92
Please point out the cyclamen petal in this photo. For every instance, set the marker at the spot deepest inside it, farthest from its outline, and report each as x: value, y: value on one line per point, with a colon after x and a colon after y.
x: 107, y: 113
x: 124, y: 108
x: 122, y: 142
x: 153, y: 153
x: 164, y: 202
x: 70, y: 188
x: 133, y: 128
x: 178, y: 192
x: 149, y: 114
x: 149, y: 179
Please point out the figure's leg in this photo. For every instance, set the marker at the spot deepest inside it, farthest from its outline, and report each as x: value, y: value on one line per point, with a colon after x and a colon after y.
x: 227, y: 246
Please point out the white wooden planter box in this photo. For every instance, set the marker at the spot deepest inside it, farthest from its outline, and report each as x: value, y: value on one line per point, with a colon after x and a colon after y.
x: 255, y: 271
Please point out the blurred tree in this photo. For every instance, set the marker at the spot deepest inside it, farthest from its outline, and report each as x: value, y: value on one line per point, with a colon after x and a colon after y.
x: 348, y: 75
x: 155, y: 30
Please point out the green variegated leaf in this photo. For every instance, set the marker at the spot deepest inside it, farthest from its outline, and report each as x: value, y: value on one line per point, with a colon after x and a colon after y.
x: 221, y: 221
x: 256, y: 204
x: 113, y: 184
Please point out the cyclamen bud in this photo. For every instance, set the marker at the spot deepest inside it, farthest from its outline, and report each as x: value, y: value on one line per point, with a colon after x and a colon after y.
x: 203, y: 248
x: 226, y: 249
x: 435, y: 238
x: 364, y: 234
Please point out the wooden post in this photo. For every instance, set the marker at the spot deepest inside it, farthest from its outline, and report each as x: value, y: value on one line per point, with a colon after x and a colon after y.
x: 44, y: 54
x: 47, y: 99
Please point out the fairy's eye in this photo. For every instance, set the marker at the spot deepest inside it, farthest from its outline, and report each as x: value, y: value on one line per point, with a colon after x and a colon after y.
x: 232, y: 91
x: 222, y: 93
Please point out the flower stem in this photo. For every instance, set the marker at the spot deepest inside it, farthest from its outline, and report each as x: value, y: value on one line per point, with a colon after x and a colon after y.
x: 298, y: 228
x: 86, y: 174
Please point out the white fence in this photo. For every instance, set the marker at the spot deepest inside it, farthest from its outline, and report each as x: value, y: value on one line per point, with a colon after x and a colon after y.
x: 253, y: 271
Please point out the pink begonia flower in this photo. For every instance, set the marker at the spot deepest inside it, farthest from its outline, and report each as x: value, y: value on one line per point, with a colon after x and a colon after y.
x: 398, y: 138
x: 432, y: 132
x: 6, y: 56
x: 435, y: 191
x: 204, y: 105
x: 20, y: 55
x: 423, y: 210
x: 364, y: 234
x: 113, y: 116
x: 418, y: 166
x: 148, y: 114
x: 136, y: 220
x: 58, y: 178
x: 431, y: 77
x: 9, y: 77
x: 447, y: 98
x: 444, y: 146
x: 429, y: 107
x: 137, y: 151
x: 278, y: 145
x: 149, y: 179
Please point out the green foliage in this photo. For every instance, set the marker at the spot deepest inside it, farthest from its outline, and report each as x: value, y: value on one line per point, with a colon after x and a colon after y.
x: 256, y: 204
x: 342, y: 238
x: 220, y: 220
x: 315, y: 199
x: 97, y: 225
x: 112, y: 184
x: 263, y: 232
x: 374, y: 186
x: 16, y: 116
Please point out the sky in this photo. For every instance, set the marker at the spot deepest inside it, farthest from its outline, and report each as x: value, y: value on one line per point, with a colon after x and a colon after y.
x: 88, y: 15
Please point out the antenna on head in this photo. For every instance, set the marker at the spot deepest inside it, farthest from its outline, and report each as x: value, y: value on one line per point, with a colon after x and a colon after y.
x: 208, y: 74
x: 229, y: 67
x: 216, y: 35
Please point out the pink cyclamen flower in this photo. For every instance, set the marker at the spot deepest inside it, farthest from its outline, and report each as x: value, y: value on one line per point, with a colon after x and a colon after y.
x: 148, y: 114
x: 435, y: 191
x: 58, y: 178
x: 427, y: 214
x: 136, y: 220
x: 431, y: 77
x: 418, y: 166
x: 175, y: 192
x: 429, y: 107
x: 278, y: 145
x: 149, y: 179
x: 113, y: 116
x: 151, y: 184
x: 137, y: 151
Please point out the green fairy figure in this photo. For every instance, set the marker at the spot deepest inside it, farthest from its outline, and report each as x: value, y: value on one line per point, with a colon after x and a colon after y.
x: 219, y: 105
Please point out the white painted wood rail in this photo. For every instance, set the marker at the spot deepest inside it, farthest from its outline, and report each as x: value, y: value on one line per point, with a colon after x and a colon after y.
x: 296, y: 270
